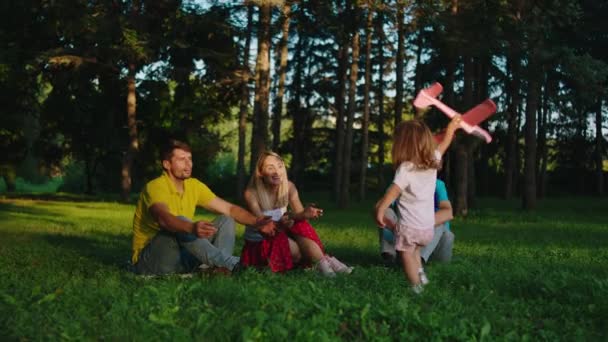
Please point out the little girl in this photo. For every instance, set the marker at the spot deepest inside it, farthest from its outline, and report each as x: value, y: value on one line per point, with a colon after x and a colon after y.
x: 269, y: 193
x: 416, y: 159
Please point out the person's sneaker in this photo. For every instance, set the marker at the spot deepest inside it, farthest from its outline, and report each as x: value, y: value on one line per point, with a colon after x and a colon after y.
x: 325, y: 268
x: 204, y: 268
x: 238, y: 268
x: 338, y: 266
x: 417, y: 288
x: 423, y: 278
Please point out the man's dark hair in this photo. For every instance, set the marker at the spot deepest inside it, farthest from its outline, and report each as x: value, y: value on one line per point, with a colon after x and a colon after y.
x: 167, y: 150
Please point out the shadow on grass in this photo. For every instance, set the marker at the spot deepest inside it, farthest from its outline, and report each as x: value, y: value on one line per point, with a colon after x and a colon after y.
x: 97, y: 247
x: 11, y: 212
x: 538, y: 237
x: 108, y: 249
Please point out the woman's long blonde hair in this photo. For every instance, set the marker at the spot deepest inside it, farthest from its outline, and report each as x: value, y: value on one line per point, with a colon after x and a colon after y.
x: 261, y: 191
x: 413, y: 142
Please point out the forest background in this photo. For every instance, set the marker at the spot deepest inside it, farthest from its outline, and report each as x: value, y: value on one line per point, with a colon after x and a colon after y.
x: 90, y: 88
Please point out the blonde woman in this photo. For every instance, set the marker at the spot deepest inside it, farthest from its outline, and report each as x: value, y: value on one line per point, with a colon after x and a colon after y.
x: 269, y: 194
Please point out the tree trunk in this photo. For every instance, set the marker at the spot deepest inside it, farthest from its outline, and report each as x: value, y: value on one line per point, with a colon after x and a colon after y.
x: 365, y: 123
x: 541, y: 159
x: 380, y: 96
x: 449, y: 99
x: 534, y: 84
x: 461, y: 205
x: 129, y: 156
x: 89, y: 174
x: 511, y: 155
x: 259, y: 136
x: 418, y: 75
x: 299, y: 114
x: 399, y: 65
x: 599, y: 160
x: 467, y: 178
x: 10, y: 176
x: 340, y: 96
x: 244, y: 106
x: 471, y: 175
x: 278, y: 108
x: 481, y: 163
x: 352, y: 105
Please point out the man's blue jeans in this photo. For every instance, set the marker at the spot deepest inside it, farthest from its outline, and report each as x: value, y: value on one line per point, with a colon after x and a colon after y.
x: 171, y: 252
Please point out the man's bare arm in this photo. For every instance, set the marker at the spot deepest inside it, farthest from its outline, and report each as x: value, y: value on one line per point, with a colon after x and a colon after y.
x: 444, y: 214
x: 169, y: 222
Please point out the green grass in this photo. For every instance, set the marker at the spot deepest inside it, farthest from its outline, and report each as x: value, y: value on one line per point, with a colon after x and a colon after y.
x: 516, y: 276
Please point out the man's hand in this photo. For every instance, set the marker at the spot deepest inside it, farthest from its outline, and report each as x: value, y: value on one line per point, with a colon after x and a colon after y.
x: 266, y: 226
x: 203, y: 229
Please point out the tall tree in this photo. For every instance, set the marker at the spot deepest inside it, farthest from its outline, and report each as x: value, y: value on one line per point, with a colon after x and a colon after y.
x: 259, y: 135
x: 366, y: 93
x: 512, y: 87
x: 513, y: 94
x: 543, y: 149
x: 400, y: 62
x: 299, y: 114
x: 380, y: 92
x: 244, y: 104
x: 352, y: 104
x: 532, y: 105
x: 599, y: 150
x: 134, y: 62
x: 278, y: 106
x: 343, y: 39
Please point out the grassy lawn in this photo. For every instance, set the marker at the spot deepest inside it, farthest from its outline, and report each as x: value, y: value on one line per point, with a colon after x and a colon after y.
x: 515, y: 276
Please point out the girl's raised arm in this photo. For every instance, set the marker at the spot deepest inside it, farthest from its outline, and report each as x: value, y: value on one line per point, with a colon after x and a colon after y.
x: 449, y: 134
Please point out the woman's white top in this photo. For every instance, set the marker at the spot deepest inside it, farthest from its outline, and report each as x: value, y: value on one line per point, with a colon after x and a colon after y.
x: 252, y: 234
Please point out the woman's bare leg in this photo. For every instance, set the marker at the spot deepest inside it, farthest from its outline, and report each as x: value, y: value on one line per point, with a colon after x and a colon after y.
x: 296, y: 255
x: 309, y: 248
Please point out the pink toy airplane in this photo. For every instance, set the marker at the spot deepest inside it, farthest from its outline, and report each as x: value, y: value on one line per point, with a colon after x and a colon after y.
x: 470, y: 119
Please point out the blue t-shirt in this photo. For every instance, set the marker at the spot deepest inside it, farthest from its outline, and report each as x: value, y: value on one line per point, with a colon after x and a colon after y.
x: 441, y: 194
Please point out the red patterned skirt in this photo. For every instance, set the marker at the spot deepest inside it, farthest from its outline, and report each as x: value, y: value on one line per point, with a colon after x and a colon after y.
x: 274, y: 251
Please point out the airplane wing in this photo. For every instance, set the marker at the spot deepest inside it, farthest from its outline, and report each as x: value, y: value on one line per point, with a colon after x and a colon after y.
x: 479, y: 113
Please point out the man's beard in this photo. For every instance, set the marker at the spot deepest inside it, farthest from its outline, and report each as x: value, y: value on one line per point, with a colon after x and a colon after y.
x: 182, y: 177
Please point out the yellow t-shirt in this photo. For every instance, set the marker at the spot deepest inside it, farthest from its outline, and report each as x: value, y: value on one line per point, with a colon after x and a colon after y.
x: 162, y: 190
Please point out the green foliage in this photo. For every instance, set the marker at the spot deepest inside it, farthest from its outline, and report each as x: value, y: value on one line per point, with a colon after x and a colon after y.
x: 25, y: 186
x: 220, y: 173
x: 515, y: 276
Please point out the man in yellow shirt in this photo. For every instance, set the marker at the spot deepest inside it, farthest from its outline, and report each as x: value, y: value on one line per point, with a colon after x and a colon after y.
x: 166, y: 240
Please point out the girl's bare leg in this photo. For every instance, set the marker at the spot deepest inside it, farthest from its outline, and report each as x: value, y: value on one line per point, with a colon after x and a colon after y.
x: 410, y: 266
x: 417, y: 258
